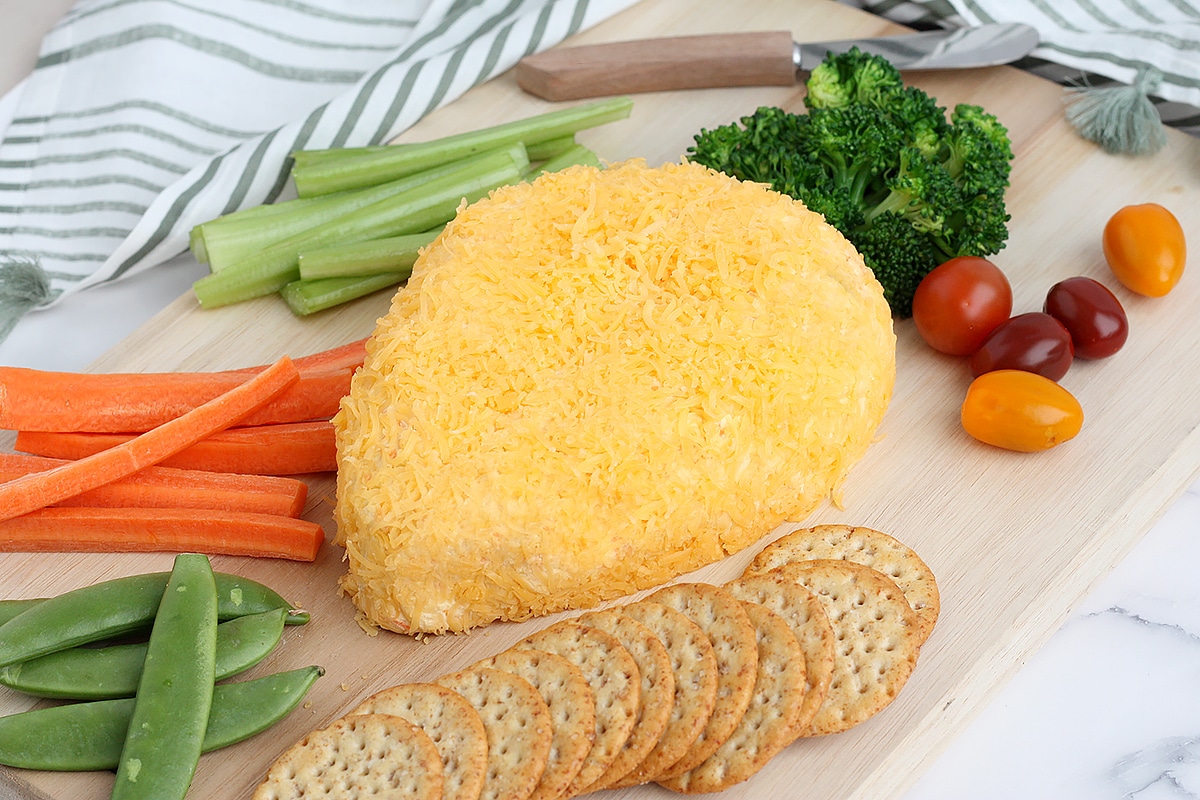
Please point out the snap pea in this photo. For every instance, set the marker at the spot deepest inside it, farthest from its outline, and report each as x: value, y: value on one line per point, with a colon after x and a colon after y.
x: 174, y: 696
x: 10, y: 608
x: 88, y: 736
x: 115, y: 607
x: 101, y: 673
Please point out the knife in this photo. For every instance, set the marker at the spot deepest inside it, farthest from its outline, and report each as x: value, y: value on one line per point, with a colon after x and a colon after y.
x: 765, y: 58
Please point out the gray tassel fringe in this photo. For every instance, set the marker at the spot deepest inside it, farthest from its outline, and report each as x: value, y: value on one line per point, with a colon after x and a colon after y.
x: 1121, y: 119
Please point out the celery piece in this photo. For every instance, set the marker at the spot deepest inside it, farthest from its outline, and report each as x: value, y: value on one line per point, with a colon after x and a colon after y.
x: 306, y: 297
x: 544, y: 151
x: 577, y: 155
x: 364, y: 258
x: 419, y: 209
x: 197, y: 244
x: 316, y: 174
x: 237, y: 236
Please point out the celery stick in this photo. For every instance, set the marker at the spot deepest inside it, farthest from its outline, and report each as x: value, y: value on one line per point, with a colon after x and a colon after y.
x: 316, y: 174
x: 419, y: 209
x: 237, y: 236
x: 197, y: 245
x: 537, y: 151
x: 543, y: 151
x: 306, y: 297
x: 364, y: 258
x: 575, y: 156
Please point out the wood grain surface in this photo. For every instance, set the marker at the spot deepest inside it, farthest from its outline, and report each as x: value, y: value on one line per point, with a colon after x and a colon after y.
x: 1016, y: 540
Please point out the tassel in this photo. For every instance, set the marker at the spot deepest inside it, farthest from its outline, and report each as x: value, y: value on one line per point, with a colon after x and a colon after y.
x: 1121, y: 119
x: 24, y: 285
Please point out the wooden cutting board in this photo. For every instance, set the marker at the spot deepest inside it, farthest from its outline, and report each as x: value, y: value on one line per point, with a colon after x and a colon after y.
x: 1016, y: 540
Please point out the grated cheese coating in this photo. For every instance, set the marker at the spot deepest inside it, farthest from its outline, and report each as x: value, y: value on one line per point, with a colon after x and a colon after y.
x: 596, y: 382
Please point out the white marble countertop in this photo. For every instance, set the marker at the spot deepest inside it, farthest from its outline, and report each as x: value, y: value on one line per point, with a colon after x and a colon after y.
x: 1109, y: 708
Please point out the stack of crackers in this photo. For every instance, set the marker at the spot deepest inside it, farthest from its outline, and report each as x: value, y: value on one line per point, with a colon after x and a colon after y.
x: 696, y: 687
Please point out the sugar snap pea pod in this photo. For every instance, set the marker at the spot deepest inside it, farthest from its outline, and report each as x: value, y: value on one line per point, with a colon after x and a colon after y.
x: 238, y: 596
x: 88, y: 736
x: 10, y: 608
x: 115, y: 607
x: 174, y: 695
x: 248, y: 708
x: 80, y: 616
x: 102, y: 673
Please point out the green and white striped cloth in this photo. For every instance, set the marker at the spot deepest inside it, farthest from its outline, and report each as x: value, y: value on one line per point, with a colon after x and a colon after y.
x: 145, y: 117
x: 1098, y: 43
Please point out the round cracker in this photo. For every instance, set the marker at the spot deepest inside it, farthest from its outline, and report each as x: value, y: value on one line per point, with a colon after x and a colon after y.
x: 450, y: 721
x: 572, y: 713
x: 360, y: 756
x: 877, y: 636
x: 694, y: 666
x: 613, y: 676
x: 728, y: 627
x: 805, y: 614
x: 771, y: 722
x: 518, y: 729
x: 863, y: 546
x: 657, y: 689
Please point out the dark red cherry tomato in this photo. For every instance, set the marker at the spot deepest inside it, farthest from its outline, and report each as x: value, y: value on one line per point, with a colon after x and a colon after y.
x: 959, y: 303
x: 1091, y: 313
x: 1033, y: 342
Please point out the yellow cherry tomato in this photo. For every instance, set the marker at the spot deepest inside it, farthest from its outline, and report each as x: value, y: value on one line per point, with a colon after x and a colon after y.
x: 1020, y: 410
x: 1145, y: 248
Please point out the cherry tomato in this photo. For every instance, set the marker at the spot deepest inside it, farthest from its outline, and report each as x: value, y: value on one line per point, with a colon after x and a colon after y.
x: 1145, y: 248
x: 959, y: 303
x: 1021, y: 411
x: 1091, y: 313
x: 1033, y: 342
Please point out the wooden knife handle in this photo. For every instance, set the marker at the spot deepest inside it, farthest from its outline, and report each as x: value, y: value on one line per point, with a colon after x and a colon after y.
x: 651, y: 65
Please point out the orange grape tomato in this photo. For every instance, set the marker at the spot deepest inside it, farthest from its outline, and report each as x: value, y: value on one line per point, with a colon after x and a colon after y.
x: 1145, y: 248
x: 1019, y: 410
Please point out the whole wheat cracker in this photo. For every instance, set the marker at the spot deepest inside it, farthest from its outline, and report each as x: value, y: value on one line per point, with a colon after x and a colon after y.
x: 728, y: 627
x: 657, y: 689
x: 450, y: 721
x: 877, y: 633
x: 773, y: 719
x: 876, y: 549
x: 805, y: 613
x: 354, y: 758
x: 694, y: 666
x: 613, y: 676
x: 518, y: 729
x: 572, y: 713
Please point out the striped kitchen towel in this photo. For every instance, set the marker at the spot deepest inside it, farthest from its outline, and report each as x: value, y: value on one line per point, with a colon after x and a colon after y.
x: 143, y: 118
x: 1095, y: 43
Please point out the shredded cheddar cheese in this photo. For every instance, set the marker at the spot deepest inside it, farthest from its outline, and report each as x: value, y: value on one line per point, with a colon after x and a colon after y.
x: 596, y: 382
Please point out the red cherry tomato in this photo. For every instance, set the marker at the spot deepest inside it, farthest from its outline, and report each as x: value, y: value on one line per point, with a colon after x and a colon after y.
x: 1091, y: 313
x: 959, y: 303
x: 1145, y: 248
x: 1033, y: 342
x: 1021, y: 411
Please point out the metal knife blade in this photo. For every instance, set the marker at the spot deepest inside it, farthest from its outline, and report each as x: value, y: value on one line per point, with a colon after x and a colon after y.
x: 766, y: 58
x: 983, y: 46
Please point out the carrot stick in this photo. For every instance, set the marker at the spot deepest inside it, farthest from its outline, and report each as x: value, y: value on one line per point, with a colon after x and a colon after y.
x: 41, y: 489
x: 163, y: 487
x: 344, y: 356
x: 290, y: 449
x: 43, y: 400
x: 145, y: 530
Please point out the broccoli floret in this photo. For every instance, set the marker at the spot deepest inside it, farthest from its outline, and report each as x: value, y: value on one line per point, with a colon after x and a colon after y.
x: 899, y: 255
x: 843, y: 79
x: 881, y: 161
